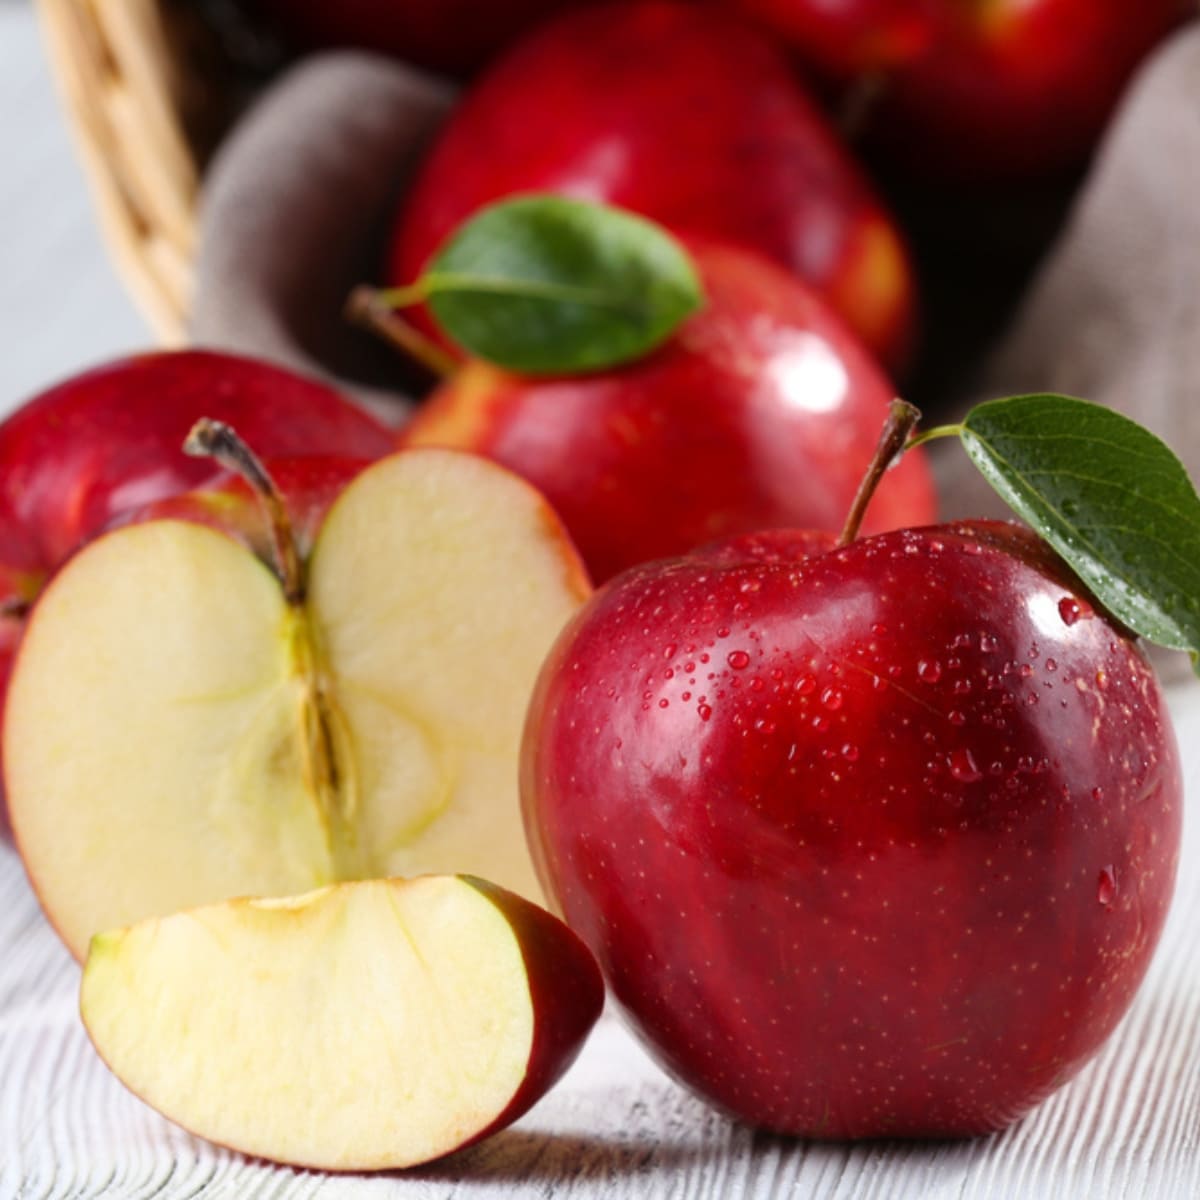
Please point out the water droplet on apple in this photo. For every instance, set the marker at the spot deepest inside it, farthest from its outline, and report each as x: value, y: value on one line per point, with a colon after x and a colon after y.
x: 987, y: 643
x: 850, y: 752
x: 957, y: 718
x: 929, y: 670
x: 763, y: 725
x: 1051, y: 665
x: 962, y: 766
x: 1097, y: 793
x: 1074, y: 608
x: 664, y: 703
x: 669, y: 650
x: 749, y: 585
x: 704, y: 712
x: 832, y: 698
x: 739, y: 660
x: 1106, y: 886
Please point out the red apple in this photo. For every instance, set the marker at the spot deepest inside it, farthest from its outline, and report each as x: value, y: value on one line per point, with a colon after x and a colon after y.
x: 449, y: 35
x: 701, y: 439
x: 1008, y: 87
x: 109, y: 440
x: 194, y: 716
x: 684, y: 115
x: 875, y: 842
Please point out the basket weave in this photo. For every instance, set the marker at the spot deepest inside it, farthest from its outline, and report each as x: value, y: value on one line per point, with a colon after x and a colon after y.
x: 133, y: 83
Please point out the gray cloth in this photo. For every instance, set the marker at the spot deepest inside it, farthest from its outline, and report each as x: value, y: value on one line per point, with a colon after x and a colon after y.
x: 296, y: 209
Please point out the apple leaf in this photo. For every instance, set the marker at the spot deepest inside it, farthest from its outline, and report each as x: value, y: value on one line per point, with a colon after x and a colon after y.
x: 546, y: 285
x: 1109, y: 496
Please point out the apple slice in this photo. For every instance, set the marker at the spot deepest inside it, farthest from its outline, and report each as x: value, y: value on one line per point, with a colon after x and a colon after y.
x: 184, y: 725
x: 364, y: 1026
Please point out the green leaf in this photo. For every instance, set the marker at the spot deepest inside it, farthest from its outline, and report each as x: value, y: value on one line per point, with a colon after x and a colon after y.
x: 1109, y: 496
x: 546, y: 285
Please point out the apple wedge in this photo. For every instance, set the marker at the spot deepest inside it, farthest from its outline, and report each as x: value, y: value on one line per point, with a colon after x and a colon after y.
x: 186, y: 724
x: 364, y: 1026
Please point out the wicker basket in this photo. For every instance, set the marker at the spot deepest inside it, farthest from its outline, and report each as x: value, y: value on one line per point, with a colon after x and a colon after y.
x: 143, y: 84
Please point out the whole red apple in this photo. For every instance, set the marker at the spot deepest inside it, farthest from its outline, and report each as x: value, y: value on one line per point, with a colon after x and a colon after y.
x: 876, y: 842
x: 687, y: 116
x: 759, y: 412
x: 1006, y: 88
x: 74, y: 458
x: 449, y: 35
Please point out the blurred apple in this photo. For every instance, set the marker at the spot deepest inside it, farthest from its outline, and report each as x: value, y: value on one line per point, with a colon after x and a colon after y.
x: 981, y: 90
x: 762, y: 410
x: 683, y: 114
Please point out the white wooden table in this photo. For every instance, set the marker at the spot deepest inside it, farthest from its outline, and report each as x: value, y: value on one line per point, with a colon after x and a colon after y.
x: 1128, y: 1127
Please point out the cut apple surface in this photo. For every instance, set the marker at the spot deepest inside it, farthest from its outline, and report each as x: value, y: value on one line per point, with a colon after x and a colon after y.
x: 363, y: 1026
x: 180, y: 730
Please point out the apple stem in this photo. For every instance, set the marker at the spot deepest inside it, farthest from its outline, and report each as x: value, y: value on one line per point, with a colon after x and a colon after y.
x: 216, y: 440
x: 901, y: 420
x: 373, y: 310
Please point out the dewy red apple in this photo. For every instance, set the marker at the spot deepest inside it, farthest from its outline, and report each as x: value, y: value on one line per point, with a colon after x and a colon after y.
x: 875, y: 841
x: 683, y: 114
x: 1009, y: 87
x: 759, y: 412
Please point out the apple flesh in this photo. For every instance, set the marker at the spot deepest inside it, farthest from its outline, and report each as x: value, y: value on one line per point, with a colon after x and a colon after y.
x: 683, y: 114
x: 182, y: 729
x: 874, y: 842
x: 365, y: 1026
x: 701, y: 439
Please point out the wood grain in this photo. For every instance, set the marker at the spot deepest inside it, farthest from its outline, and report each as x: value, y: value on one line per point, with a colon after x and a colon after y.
x: 617, y: 1128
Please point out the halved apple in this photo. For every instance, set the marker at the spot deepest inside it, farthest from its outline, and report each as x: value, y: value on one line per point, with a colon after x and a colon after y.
x: 185, y: 725
x: 364, y: 1026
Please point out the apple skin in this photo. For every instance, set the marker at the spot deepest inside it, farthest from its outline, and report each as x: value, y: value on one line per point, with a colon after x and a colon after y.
x: 1010, y: 88
x: 761, y: 411
x: 877, y: 842
x: 77, y: 456
x: 455, y: 36
x: 683, y: 114
x: 566, y: 989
